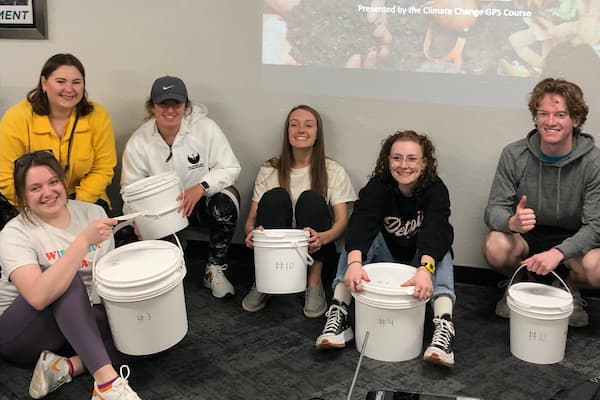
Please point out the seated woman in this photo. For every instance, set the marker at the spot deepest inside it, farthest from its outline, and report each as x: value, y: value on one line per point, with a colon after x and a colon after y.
x: 180, y: 137
x: 57, y: 116
x: 401, y: 216
x: 304, y: 184
x: 46, y: 295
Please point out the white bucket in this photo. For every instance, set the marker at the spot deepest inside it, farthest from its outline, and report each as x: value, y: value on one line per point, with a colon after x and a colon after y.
x: 280, y: 260
x: 141, y: 284
x: 539, y: 321
x: 155, y: 197
x: 393, y: 318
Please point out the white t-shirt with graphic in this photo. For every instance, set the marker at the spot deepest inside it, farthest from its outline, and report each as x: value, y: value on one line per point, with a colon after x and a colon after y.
x: 23, y: 242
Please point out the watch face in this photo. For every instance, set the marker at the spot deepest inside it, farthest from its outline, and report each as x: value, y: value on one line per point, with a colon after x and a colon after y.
x: 204, y: 185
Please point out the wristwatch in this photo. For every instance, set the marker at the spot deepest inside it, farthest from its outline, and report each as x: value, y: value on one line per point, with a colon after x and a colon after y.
x: 204, y: 184
x: 428, y: 266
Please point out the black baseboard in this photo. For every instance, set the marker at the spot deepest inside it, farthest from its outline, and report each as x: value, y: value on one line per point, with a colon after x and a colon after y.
x: 482, y: 276
x: 467, y: 275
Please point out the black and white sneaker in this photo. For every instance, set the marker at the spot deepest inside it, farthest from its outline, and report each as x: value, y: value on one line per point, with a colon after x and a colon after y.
x: 337, y: 331
x: 440, y: 350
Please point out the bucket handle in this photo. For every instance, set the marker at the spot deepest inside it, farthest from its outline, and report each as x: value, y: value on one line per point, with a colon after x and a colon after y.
x: 309, y: 260
x: 555, y: 274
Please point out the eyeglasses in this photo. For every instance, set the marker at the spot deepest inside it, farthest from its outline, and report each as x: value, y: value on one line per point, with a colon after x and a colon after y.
x: 544, y: 115
x: 410, y: 160
x: 27, y: 158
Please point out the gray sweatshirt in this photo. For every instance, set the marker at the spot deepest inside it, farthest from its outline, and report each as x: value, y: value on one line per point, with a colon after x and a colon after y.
x: 565, y: 194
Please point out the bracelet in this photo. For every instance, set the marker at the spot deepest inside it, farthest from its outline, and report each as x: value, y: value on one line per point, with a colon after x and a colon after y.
x: 353, y: 262
x: 428, y: 266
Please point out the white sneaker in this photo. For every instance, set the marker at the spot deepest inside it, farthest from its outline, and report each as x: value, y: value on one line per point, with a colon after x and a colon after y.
x: 217, y: 282
x: 118, y: 390
x: 51, y: 371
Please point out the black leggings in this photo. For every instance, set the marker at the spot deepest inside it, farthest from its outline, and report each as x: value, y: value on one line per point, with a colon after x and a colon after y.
x: 275, y: 211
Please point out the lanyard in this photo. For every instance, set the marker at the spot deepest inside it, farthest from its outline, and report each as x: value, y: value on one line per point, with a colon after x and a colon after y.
x: 71, y: 141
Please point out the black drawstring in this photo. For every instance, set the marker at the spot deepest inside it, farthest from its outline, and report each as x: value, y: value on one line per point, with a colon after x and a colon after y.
x: 71, y: 141
x: 170, y: 154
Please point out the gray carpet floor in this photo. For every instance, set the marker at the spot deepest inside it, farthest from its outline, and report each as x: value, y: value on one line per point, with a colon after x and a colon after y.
x: 229, y: 354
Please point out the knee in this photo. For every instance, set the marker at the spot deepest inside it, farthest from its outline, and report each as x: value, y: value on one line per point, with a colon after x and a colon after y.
x: 310, y: 198
x: 312, y: 210
x: 223, y: 208
x: 591, y: 267
x: 496, y: 249
x: 275, y: 198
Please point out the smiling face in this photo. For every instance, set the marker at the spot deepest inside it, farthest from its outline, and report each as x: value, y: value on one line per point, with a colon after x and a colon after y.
x: 45, y: 193
x: 406, y: 164
x: 555, y: 125
x: 64, y: 87
x: 168, y: 115
x: 302, y: 129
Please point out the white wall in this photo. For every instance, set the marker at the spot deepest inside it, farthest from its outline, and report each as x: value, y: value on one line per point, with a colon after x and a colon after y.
x: 214, y: 45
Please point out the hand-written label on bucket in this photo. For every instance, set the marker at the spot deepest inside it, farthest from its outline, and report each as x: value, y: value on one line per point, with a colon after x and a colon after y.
x: 143, y: 317
x: 284, y: 266
x: 385, y: 322
x: 537, y: 336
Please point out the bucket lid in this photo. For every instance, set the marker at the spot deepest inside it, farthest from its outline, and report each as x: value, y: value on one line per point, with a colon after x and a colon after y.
x: 387, y: 278
x: 540, y: 298
x: 138, y: 263
x: 384, y: 290
x: 150, y: 182
x: 267, y: 234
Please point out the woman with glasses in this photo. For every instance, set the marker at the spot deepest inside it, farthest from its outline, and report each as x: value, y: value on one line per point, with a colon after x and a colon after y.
x: 304, y: 185
x: 57, y: 116
x: 178, y: 136
x: 402, y: 215
x: 47, y: 303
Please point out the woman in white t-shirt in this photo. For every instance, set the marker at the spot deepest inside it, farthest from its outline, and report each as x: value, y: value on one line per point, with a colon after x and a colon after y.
x: 303, y: 186
x: 46, y: 256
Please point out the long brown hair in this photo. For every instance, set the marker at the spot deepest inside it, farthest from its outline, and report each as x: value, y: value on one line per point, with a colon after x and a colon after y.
x: 318, y: 168
x: 38, y: 98
x: 382, y: 166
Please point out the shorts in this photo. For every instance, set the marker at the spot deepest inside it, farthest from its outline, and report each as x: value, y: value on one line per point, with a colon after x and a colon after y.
x: 543, y: 238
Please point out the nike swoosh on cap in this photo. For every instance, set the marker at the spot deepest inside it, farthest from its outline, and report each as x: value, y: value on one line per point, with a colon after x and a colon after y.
x: 168, y: 87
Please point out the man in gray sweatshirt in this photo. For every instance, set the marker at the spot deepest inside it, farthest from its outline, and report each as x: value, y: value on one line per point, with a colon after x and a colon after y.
x: 544, y: 205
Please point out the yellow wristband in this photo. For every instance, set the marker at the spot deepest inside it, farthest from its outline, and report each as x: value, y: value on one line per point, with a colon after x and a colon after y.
x: 428, y: 266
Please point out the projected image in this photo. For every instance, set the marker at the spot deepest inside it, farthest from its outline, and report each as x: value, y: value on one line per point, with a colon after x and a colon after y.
x: 474, y: 37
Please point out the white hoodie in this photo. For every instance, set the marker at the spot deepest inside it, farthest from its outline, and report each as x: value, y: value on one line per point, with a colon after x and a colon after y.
x: 201, y: 152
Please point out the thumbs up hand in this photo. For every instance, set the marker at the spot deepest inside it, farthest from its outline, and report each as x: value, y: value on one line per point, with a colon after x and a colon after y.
x: 523, y: 220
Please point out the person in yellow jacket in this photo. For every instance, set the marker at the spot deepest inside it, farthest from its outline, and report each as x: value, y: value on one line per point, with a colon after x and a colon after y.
x: 57, y: 116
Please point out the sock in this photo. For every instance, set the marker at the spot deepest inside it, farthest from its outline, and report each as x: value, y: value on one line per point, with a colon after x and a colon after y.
x: 442, y: 305
x: 107, y: 384
x: 342, y: 294
x: 71, y: 369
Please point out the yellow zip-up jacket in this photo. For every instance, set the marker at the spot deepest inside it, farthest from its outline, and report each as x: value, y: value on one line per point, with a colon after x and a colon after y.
x: 93, y: 152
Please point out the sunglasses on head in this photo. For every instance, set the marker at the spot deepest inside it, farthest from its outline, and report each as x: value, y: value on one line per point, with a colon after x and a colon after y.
x: 27, y: 158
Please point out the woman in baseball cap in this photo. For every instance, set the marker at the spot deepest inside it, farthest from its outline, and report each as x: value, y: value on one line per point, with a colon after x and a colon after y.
x: 178, y: 136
